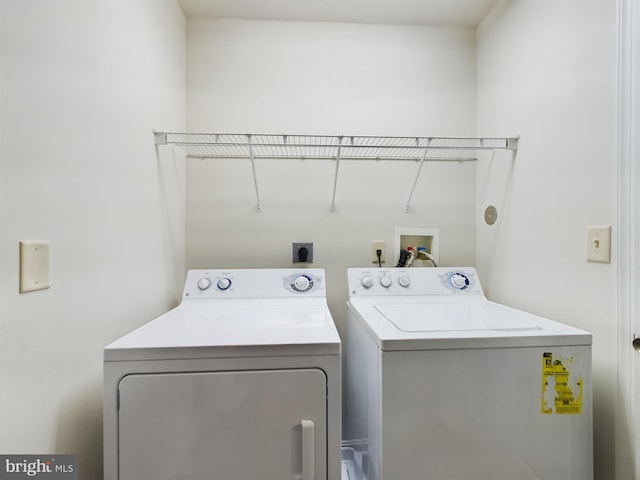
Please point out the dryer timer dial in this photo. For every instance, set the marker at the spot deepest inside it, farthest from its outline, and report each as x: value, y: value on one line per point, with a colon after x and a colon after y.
x: 223, y: 283
x: 302, y: 283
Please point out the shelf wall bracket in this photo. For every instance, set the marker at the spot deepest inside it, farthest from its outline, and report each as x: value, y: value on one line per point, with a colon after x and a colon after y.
x: 160, y: 138
x: 407, y: 209
x: 335, y: 176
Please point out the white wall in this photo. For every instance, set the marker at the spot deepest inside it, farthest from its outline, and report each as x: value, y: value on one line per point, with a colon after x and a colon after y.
x: 547, y: 71
x: 82, y: 85
x: 323, y: 78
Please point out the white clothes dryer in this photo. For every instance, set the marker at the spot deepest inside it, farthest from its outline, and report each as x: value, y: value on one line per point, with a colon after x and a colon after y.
x: 443, y: 384
x: 241, y: 381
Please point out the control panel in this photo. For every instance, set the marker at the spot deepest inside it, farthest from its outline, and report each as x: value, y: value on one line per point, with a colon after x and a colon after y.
x: 254, y: 283
x: 413, y: 281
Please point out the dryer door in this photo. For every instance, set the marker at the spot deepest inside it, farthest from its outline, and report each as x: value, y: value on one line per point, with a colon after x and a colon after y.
x: 266, y: 424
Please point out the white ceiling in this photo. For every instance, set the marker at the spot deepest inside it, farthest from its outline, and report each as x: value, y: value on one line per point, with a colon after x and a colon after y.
x: 402, y: 12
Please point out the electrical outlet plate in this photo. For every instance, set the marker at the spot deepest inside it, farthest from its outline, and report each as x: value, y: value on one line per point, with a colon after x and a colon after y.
x: 375, y: 246
x: 297, y: 256
x: 34, y: 266
x: 599, y: 243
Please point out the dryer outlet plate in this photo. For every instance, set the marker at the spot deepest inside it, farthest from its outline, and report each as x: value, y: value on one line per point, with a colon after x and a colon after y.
x: 302, y: 252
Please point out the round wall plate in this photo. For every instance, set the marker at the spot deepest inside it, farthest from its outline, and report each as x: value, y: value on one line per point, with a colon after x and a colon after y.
x: 490, y: 215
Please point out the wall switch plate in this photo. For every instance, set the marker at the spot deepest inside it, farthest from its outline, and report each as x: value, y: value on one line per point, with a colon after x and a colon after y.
x: 302, y: 252
x: 599, y: 243
x: 375, y: 246
x: 34, y: 266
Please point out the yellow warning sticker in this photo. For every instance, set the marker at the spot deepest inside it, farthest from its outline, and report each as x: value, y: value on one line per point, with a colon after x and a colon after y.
x: 561, y: 385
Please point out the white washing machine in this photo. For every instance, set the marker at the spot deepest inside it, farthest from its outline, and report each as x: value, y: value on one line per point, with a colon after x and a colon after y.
x: 443, y: 384
x: 240, y: 381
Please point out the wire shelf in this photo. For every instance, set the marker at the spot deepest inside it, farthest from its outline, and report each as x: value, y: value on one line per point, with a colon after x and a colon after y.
x: 327, y: 147
x: 333, y: 147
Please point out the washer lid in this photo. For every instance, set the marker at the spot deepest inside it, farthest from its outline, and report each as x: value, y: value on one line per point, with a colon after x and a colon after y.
x: 451, y: 317
x: 232, y: 328
x: 419, y: 324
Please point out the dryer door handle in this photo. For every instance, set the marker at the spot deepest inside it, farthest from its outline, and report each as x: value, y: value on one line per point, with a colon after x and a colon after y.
x: 308, y: 449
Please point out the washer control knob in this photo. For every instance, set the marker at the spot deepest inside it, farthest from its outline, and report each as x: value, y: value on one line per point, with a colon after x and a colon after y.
x: 223, y: 283
x: 302, y: 283
x: 404, y: 281
x: 385, y: 281
x: 204, y: 283
x: 459, y: 281
x: 367, y: 281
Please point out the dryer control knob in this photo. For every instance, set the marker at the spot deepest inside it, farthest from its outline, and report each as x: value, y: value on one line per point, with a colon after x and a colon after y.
x: 404, y: 281
x: 367, y: 281
x: 204, y: 283
x: 385, y: 281
x: 224, y: 284
x: 459, y: 281
x: 302, y: 283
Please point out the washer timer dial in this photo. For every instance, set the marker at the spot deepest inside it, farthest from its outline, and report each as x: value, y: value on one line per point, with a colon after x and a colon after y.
x: 457, y: 281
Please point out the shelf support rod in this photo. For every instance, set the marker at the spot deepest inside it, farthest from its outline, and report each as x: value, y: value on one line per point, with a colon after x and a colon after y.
x: 407, y: 209
x: 335, y: 176
x: 255, y: 177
